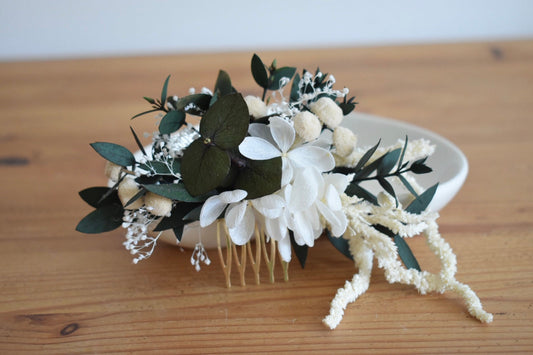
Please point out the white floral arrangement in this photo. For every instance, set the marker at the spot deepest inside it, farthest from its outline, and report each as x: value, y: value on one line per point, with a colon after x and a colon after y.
x: 277, y: 172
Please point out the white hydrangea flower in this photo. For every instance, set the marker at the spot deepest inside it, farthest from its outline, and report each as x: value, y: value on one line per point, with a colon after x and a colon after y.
x: 327, y: 111
x: 256, y: 107
x: 307, y: 126
x: 281, y: 144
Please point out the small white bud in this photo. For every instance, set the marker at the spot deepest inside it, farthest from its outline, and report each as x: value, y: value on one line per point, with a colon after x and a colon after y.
x: 256, y: 107
x: 126, y: 190
x: 158, y: 205
x: 112, y: 171
x: 344, y: 140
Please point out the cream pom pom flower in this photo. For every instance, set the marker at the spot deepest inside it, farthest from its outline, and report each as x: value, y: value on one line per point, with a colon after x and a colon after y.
x: 112, y: 171
x: 126, y: 190
x: 307, y: 126
x: 256, y: 107
x: 157, y: 205
x: 344, y: 140
x: 327, y: 111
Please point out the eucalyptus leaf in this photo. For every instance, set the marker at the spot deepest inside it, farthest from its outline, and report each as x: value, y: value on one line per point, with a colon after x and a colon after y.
x: 388, y: 161
x: 357, y: 190
x: 171, y: 122
x: 407, y: 185
x: 340, y: 244
x: 404, y: 252
x: 259, y: 72
x: 400, y: 161
x: 193, y: 215
x: 387, y: 187
x: 103, y: 219
x: 178, y: 232
x: 149, y: 99
x: 299, y: 250
x: 295, y: 89
x: 366, y: 157
x: 164, y: 92
x: 284, y: 72
x: 177, y: 215
x: 114, y: 153
x: 93, y: 195
x: 176, y: 192
x: 199, y: 100
x: 139, y: 144
x: 226, y: 122
x: 260, y: 177
x: 420, y: 203
x: 223, y: 84
x: 145, y: 112
x: 204, y: 167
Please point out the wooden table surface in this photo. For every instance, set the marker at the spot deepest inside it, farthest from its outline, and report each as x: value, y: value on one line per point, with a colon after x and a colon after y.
x: 65, y: 292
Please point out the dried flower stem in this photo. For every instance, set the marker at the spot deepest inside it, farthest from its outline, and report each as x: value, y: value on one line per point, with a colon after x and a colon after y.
x: 270, y: 260
x: 241, y: 265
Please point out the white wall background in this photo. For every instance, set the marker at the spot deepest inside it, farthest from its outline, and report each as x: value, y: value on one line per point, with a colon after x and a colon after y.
x: 40, y: 29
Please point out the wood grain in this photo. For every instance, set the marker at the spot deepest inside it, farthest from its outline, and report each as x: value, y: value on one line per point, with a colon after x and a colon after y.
x: 63, y: 292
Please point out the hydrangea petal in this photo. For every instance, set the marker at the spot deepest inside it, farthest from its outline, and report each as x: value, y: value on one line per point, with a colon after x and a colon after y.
x: 304, y: 189
x: 284, y: 247
x: 270, y: 206
x: 232, y: 196
x: 235, y: 214
x: 261, y: 130
x: 243, y: 231
x: 309, y: 155
x: 282, y: 132
x: 258, y: 149
x: 336, y: 219
x: 332, y: 198
x: 286, y: 171
x: 211, y: 209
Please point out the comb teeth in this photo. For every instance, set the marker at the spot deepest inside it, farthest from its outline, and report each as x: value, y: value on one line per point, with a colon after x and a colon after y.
x: 263, y: 249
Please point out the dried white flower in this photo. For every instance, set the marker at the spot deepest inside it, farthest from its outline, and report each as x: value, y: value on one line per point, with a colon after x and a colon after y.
x: 157, y: 205
x: 327, y: 111
x: 112, y: 171
x: 344, y: 140
x: 126, y: 190
x: 256, y: 107
x: 307, y: 126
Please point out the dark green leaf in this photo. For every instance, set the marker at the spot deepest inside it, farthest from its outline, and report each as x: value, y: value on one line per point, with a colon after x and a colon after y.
x: 357, y: 190
x: 200, y: 100
x: 150, y: 100
x: 204, y: 167
x: 400, y: 161
x: 340, y: 244
x: 114, y: 153
x: 177, y: 215
x: 295, y: 89
x: 346, y: 108
x: 387, y: 187
x: 388, y: 161
x: 259, y: 72
x: 103, y: 219
x: 223, y: 84
x: 226, y: 122
x: 164, y: 92
x: 366, y: 157
x: 260, y: 177
x: 93, y: 195
x: 406, y: 254
x: 420, y: 203
x: 299, y: 250
x: 176, y: 192
x: 407, y: 185
x: 145, y: 112
x: 178, y: 232
x: 193, y: 215
x: 171, y: 122
x: 285, y: 72
x: 419, y: 167
x: 138, y: 141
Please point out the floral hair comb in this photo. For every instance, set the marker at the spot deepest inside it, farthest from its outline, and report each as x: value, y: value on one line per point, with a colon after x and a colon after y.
x: 268, y: 176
